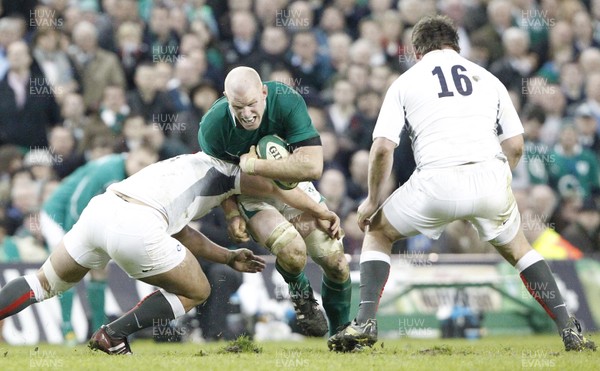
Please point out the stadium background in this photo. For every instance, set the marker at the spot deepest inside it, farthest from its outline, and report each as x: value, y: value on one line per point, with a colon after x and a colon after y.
x: 106, y: 76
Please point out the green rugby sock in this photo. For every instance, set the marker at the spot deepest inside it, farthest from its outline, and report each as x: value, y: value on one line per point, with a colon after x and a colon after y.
x: 298, y: 284
x: 95, y: 291
x: 66, y: 307
x: 336, y: 301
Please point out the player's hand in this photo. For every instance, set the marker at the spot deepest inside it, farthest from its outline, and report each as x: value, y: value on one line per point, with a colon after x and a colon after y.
x: 329, y: 223
x: 236, y: 228
x: 243, y: 260
x: 247, y: 161
x: 365, y: 211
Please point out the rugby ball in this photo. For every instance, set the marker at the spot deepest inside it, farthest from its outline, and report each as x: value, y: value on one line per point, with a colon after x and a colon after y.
x: 272, y: 147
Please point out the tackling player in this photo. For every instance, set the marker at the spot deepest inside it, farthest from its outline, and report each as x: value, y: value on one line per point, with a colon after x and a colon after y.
x: 466, y: 138
x: 142, y: 224
x: 250, y: 110
x: 63, y: 208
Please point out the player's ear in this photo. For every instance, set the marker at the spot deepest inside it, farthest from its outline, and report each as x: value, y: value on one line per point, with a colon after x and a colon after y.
x: 265, y: 91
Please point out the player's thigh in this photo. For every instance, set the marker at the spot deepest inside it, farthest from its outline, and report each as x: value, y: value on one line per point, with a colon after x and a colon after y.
x: 185, y: 279
x: 264, y: 222
x: 86, y: 241
x: 496, y: 215
x: 138, y: 242
x: 410, y: 211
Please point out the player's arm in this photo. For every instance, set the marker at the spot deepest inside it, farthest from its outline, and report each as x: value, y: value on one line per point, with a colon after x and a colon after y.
x: 513, y: 149
x: 296, y: 198
x: 305, y: 163
x: 242, y: 260
x: 236, y: 225
x: 381, y: 159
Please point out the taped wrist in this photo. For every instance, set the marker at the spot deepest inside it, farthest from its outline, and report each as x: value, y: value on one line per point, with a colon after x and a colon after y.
x: 248, y: 166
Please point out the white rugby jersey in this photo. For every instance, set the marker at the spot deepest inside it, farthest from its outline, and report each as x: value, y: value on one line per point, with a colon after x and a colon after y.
x: 455, y: 111
x: 183, y: 188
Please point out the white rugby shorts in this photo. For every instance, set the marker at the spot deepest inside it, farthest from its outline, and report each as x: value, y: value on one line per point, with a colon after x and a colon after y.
x: 133, y: 235
x: 479, y: 193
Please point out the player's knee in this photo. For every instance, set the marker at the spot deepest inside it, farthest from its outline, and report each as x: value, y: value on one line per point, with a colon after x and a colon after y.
x: 293, y: 256
x: 51, y: 283
x: 336, y: 267
x: 329, y: 254
x: 201, y: 293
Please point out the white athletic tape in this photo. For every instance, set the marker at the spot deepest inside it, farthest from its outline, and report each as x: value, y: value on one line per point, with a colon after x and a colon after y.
x: 57, y: 285
x: 281, y: 236
x: 366, y: 256
x: 319, y: 244
x: 176, y: 306
x: 528, y: 260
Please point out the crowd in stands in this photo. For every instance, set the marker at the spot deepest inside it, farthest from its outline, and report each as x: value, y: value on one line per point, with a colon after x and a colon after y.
x: 80, y: 79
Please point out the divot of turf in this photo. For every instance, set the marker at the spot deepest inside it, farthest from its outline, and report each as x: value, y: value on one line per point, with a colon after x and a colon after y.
x: 436, y: 351
x: 242, y: 344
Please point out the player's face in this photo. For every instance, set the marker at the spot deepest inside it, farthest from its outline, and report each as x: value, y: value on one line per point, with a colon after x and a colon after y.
x: 249, y: 106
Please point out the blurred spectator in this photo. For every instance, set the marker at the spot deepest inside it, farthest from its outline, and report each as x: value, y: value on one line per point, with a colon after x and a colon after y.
x: 572, y: 84
x: 332, y: 186
x: 97, y: 67
x: 589, y: 60
x: 162, y: 40
x: 9, y: 251
x: 339, y: 51
x: 341, y: 111
x: 166, y: 147
x: 132, y: 136
x: 331, y: 158
x: 202, y: 97
x: 73, y: 113
x: 244, y: 38
x: 456, y: 10
x: 130, y: 49
x: 163, y: 75
x: 114, y: 108
x: 271, y: 53
x: 63, y: 147
x: 531, y: 169
x: 573, y: 170
x: 214, y: 55
x: 592, y: 92
x: 392, y: 28
x: 587, y: 127
x: 186, y: 76
x: 178, y: 21
x: 354, y: 237
x: 500, y: 20
x: 146, y: 100
x: 358, y: 75
x: 332, y: 21
x: 27, y: 105
x: 11, y: 29
x: 40, y: 162
x: 583, y: 32
x: 359, y: 178
x: 24, y: 199
x: 517, y: 62
x: 54, y: 62
x: 11, y: 159
x: 363, y: 122
x: 584, y: 232
x: 308, y: 65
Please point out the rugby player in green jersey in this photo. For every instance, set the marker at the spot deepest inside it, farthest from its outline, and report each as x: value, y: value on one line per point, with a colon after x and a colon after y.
x: 63, y: 208
x: 250, y: 110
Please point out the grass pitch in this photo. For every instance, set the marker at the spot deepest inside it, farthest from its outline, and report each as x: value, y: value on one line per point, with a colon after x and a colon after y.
x: 492, y: 353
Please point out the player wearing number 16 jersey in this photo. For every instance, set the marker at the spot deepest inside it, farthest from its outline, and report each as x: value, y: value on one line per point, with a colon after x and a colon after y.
x: 466, y: 137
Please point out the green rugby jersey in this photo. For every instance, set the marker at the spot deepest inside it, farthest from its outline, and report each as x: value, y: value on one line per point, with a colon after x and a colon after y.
x: 578, y: 172
x: 73, y: 194
x: 285, y: 115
